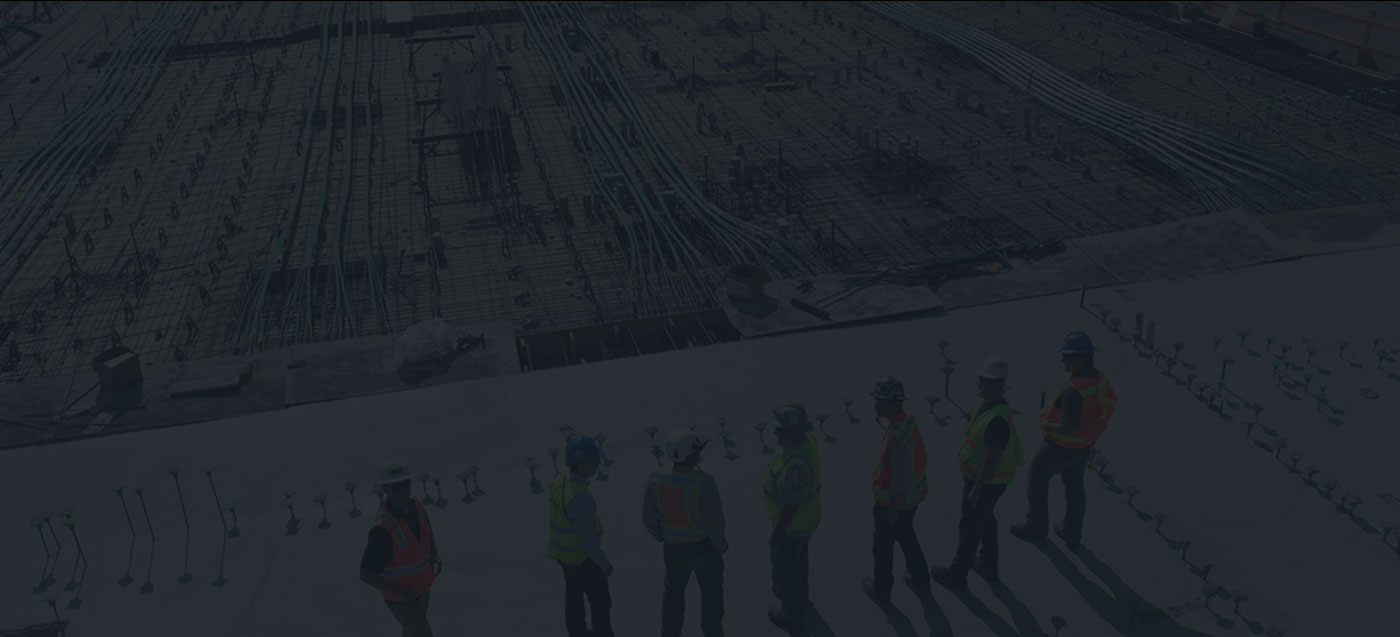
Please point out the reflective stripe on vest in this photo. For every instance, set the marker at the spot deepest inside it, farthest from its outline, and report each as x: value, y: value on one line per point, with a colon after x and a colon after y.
x: 809, y: 508
x: 678, y: 498
x: 1098, y: 401
x: 973, y: 453
x: 906, y: 431
x: 409, y: 566
x: 564, y: 543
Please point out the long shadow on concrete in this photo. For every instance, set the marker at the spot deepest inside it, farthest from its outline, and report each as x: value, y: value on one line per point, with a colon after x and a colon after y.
x: 1022, y: 616
x: 1115, y: 608
x: 816, y: 624
x: 998, y: 626
x: 936, y: 619
x: 900, y: 622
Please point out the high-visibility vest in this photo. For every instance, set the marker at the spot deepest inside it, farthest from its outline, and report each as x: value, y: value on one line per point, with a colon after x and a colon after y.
x: 905, y: 429
x: 1099, y: 401
x: 809, y: 508
x: 564, y: 544
x: 973, y: 452
x: 678, y: 499
x: 409, y: 567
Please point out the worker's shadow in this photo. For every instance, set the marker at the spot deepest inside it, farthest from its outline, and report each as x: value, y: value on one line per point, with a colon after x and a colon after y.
x: 1022, y: 616
x: 900, y: 622
x: 816, y: 624
x: 1117, y: 608
x: 998, y: 626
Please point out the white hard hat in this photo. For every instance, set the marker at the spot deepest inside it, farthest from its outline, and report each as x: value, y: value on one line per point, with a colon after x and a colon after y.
x: 792, y: 417
x: 681, y: 443
x: 994, y: 368
x: 394, y: 470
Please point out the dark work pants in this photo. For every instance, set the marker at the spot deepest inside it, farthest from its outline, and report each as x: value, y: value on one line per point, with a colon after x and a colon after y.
x: 978, y: 527
x: 885, y: 538
x: 1052, y: 460
x: 586, y: 579
x: 412, y: 616
x: 789, y: 557
x: 704, y: 559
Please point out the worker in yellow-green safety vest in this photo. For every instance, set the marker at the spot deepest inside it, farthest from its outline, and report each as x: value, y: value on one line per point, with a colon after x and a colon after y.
x: 899, y: 485
x: 990, y: 453
x: 1071, y: 424
x: 575, y: 541
x: 681, y: 509
x: 792, y: 493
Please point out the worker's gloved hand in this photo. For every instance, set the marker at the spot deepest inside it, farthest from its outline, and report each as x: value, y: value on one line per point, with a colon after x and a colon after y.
x: 608, y: 570
x: 437, y: 566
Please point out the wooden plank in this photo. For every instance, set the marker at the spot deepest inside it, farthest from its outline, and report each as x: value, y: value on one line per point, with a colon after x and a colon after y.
x: 186, y: 388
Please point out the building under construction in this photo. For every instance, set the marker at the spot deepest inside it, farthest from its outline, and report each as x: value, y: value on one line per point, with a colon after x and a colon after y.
x: 598, y: 176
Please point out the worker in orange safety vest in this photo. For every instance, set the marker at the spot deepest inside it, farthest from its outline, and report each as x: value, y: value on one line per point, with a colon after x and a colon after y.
x: 401, y: 559
x: 1071, y: 424
x: 899, y: 485
x: 681, y: 509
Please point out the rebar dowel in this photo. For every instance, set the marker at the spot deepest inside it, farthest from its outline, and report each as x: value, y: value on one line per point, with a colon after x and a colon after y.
x: 73, y: 529
x: 58, y: 620
x: 48, y: 522
x: 217, y: 504
x: 180, y: 493
x: 40, y: 528
x: 126, y: 511
x: 141, y: 494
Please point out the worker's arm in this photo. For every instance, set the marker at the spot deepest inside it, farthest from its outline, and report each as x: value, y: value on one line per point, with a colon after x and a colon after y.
x: 713, y: 514
x: 790, y: 493
x: 651, y: 514
x: 785, y: 518
x: 378, y: 582
x: 378, y: 552
x: 997, y: 436
x: 581, y: 510
x: 901, y: 476
x: 1071, y: 404
x: 433, y: 546
x: 989, y: 467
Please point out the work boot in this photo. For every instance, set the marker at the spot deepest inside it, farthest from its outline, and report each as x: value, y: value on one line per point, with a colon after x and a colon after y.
x: 775, y: 615
x: 1071, y: 543
x: 923, y: 593
x: 869, y: 585
x: 1024, y: 532
x: 953, y: 580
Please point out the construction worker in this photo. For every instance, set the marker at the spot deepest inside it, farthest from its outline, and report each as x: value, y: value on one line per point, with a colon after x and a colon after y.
x: 1071, y: 424
x: 575, y: 541
x: 792, y: 493
x: 990, y: 453
x: 401, y: 559
x: 899, y: 485
x: 681, y: 509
